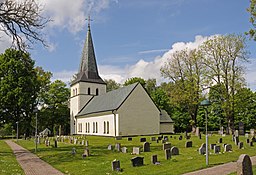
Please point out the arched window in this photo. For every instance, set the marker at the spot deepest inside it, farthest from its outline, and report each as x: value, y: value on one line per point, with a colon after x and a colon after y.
x: 97, y: 91
x: 107, y: 127
x: 104, y: 128
x: 89, y: 91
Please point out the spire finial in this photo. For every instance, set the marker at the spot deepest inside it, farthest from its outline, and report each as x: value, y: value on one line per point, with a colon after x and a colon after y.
x: 89, y: 21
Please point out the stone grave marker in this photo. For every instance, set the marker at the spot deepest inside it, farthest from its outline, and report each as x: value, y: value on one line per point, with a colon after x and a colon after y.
x: 221, y: 131
x: 129, y: 138
x: 248, y: 141
x: 157, y: 141
x: 166, y: 138
x: 137, y: 161
x: 174, y: 150
x: 86, y: 143
x: 146, y: 147
x: 75, y: 141
x: 163, y: 141
x: 136, y: 150
x: 109, y: 147
x: 73, y: 151
x: 202, y: 149
x: 241, y: 128
x: 82, y: 142
x: 197, y: 131
x: 216, y: 149
x: 240, y: 145
x: 200, y: 136
x: 236, y: 133
x: 188, y: 144
x: 244, y: 165
x: 246, y: 135
x: 118, y: 137
x: 180, y: 137
x: 220, y: 140
x: 124, y: 149
x: 143, y: 139
x: 118, y: 147
x: 166, y: 146
x: 86, y: 153
x: 212, y: 146
x: 116, y: 165
x: 252, y: 132
x: 167, y: 154
x: 55, y: 144
x: 236, y: 140
x: 160, y: 137
x: 253, y: 139
x: 154, y: 159
x: 153, y: 139
x: 227, y: 148
x: 251, y: 143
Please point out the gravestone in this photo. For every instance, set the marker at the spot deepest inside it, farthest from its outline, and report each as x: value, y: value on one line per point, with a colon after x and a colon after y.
x: 236, y: 140
x: 236, y: 133
x: 159, y: 138
x: 137, y: 161
x: 163, y: 141
x: 253, y: 139
x: 221, y: 130
x: 118, y: 147
x: 55, y: 144
x: 188, y: 144
x: 244, y: 165
x: 252, y: 132
x: 180, y: 137
x: 241, y: 128
x: 136, y: 150
x: 143, y: 139
x: 129, y: 138
x: 86, y: 153
x: 118, y: 137
x: 166, y: 138
x: 246, y: 135
x: 220, y: 140
x: 247, y: 140
x: 82, y: 142
x: 227, y: 148
x: 174, y: 150
x: 170, y: 136
x: 153, y: 139
x: 216, y: 149
x: 240, y: 145
x: 86, y: 143
x: 154, y: 159
x: 109, y: 147
x: 212, y: 146
x: 251, y: 143
x: 73, y: 151
x: 124, y: 149
x: 75, y: 141
x: 166, y: 146
x: 167, y: 154
x: 116, y: 165
x: 200, y: 136
x: 224, y: 145
x: 146, y: 147
x: 197, y: 131
x: 157, y: 141
x: 202, y: 149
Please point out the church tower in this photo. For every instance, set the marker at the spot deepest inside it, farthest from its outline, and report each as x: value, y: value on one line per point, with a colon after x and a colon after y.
x: 87, y: 82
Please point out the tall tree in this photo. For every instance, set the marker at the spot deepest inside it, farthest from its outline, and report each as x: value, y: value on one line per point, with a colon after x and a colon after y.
x: 22, y: 18
x: 135, y: 80
x: 185, y: 70
x: 223, y: 56
x: 252, y: 11
x: 112, y: 84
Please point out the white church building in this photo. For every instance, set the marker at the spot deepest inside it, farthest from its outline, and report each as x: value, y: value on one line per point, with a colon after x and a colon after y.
x: 127, y: 111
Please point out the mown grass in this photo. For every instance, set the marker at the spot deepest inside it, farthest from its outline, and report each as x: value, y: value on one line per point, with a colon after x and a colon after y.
x: 100, y: 160
x: 8, y: 162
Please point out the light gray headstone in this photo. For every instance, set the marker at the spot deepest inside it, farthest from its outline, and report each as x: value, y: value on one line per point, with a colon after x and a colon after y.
x: 119, y: 138
x: 86, y: 152
x: 136, y: 150
x: 86, y: 143
x: 244, y: 165
x: 124, y: 149
x: 82, y: 142
x: 252, y: 132
x: 236, y: 133
x: 197, y: 131
x: 109, y: 147
x: 118, y: 147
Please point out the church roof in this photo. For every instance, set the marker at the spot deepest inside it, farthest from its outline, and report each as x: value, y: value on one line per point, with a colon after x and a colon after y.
x: 164, y: 117
x: 88, y: 71
x: 109, y: 101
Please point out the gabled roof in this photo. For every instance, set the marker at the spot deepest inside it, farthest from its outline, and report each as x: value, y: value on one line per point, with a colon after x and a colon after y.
x: 164, y: 117
x: 88, y: 71
x: 107, y: 102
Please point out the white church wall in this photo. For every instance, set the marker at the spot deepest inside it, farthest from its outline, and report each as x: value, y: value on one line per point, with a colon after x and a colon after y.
x: 166, y: 128
x: 138, y: 115
x: 107, y: 118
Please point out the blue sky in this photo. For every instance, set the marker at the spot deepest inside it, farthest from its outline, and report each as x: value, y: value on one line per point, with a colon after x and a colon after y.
x: 132, y: 37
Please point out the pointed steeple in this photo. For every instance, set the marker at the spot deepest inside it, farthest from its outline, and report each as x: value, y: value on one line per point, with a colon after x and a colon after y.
x: 88, y: 71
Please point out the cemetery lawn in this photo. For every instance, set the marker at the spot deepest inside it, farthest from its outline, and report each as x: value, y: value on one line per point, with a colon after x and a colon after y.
x: 8, y: 162
x: 100, y: 160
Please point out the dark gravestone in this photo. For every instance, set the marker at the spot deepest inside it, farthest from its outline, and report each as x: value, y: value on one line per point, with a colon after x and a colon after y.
x: 55, y: 144
x: 166, y: 138
x: 129, y: 138
x: 253, y: 139
x: 167, y: 154
x: 244, y: 165
x: 236, y: 140
x: 180, y: 137
x: 116, y: 165
x: 143, y: 139
x: 153, y: 139
x: 188, y: 144
x: 212, y: 146
x: 220, y: 140
x: 240, y: 145
x: 202, y: 149
x: 251, y: 143
x: 137, y: 161
x: 159, y: 138
x: 154, y: 159
x: 118, y: 147
x: 200, y: 136
x: 174, y: 150
x: 118, y: 137
x: 247, y: 140
x: 227, y: 148
x: 163, y: 141
x: 146, y: 147
x: 157, y: 141
x: 166, y: 146
x: 216, y: 149
x: 241, y: 128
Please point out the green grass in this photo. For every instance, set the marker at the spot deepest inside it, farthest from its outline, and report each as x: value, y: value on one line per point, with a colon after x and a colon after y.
x: 100, y: 160
x: 8, y: 163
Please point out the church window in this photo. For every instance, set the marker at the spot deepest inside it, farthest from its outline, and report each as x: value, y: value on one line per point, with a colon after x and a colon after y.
x: 88, y: 127
x: 97, y: 91
x: 79, y: 127
x: 93, y: 127
x: 89, y: 91
x: 108, y: 127
x: 96, y: 127
x: 104, y: 128
x: 74, y: 92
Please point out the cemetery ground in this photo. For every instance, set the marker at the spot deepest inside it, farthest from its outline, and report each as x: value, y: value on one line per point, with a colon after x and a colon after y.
x: 99, y: 161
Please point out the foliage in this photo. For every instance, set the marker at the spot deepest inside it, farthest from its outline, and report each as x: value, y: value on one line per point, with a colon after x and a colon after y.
x: 21, y: 19
x: 252, y: 11
x: 6, y: 129
x: 135, y: 80
x: 112, y: 85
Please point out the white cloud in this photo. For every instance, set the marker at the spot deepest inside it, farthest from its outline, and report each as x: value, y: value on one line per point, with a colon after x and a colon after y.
x: 5, y: 42
x: 153, y: 51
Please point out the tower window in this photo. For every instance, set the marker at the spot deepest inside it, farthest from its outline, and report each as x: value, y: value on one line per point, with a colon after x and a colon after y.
x: 89, y: 91
x: 97, y: 91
